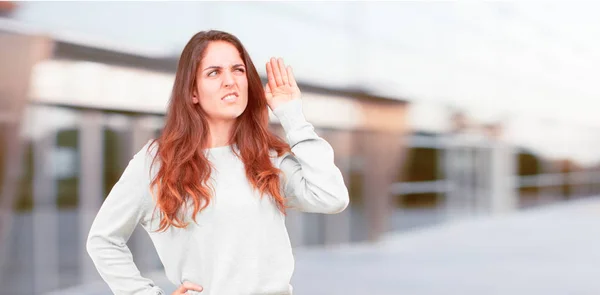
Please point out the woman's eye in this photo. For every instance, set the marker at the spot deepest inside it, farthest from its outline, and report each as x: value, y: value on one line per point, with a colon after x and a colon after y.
x: 240, y: 70
x: 212, y: 74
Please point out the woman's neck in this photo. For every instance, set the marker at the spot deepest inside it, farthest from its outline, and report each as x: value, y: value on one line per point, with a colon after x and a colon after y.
x: 220, y: 133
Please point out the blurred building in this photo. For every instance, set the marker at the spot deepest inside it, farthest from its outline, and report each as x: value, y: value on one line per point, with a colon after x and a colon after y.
x: 74, y: 109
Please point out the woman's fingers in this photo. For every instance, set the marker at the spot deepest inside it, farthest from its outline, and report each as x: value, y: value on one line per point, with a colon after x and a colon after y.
x: 187, y: 286
x: 283, y: 71
x: 271, y: 76
x: 276, y: 72
x: 191, y: 286
x: 291, y: 78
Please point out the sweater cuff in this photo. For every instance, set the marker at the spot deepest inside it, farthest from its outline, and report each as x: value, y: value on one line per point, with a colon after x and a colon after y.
x: 290, y: 114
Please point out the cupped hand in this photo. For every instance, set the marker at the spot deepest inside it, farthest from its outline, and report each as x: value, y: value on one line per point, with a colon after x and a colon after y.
x: 281, y: 86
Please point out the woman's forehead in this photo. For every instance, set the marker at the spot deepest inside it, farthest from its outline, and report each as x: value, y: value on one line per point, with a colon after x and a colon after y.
x: 222, y: 54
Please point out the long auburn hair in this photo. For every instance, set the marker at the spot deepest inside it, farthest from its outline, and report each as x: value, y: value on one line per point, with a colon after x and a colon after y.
x: 184, y: 171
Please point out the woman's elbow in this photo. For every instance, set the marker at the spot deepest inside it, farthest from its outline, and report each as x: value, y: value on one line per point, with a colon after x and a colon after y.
x: 95, y: 244
x: 91, y: 245
x: 340, y: 203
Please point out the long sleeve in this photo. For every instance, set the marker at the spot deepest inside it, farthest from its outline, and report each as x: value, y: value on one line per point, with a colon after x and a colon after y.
x: 312, y: 181
x: 114, y: 223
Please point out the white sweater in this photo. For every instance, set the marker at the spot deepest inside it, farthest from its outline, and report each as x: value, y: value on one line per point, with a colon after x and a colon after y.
x: 240, y: 244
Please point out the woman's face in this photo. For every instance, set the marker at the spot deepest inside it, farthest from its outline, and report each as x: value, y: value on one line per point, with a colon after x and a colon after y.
x: 221, y: 83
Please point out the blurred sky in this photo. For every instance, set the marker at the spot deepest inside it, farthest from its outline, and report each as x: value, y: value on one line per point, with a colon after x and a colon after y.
x: 532, y: 64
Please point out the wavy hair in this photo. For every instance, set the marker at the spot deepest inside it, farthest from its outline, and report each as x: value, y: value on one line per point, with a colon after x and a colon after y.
x: 184, y: 170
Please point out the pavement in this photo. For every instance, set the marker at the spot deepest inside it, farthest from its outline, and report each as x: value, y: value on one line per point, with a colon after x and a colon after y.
x: 553, y: 249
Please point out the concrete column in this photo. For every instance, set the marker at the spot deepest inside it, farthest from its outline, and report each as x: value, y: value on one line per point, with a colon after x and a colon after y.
x: 481, y: 169
x: 449, y: 156
x: 45, y: 216
x: 505, y: 193
x: 443, y: 196
x: 498, y: 178
x: 91, y: 192
x: 471, y: 179
x: 457, y: 170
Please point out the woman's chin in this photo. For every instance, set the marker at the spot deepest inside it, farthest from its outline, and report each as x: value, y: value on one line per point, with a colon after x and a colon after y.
x: 232, y: 115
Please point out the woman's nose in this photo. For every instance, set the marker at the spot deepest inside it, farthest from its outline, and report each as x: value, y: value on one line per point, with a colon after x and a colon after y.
x: 228, y: 80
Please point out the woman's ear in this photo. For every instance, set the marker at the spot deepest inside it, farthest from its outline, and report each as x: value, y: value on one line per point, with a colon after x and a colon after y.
x: 195, y: 96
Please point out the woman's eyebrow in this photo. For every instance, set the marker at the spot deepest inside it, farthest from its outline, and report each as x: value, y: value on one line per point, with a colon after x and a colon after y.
x: 211, y: 67
x: 218, y: 67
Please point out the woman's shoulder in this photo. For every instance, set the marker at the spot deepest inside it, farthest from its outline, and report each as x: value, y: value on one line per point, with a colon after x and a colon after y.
x: 148, y: 151
x: 150, y: 148
x: 143, y: 159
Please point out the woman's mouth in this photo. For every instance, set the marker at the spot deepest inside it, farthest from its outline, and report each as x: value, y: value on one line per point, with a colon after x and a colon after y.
x: 230, y: 97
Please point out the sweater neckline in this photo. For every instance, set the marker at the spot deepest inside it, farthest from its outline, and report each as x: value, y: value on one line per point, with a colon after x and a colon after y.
x: 220, y: 150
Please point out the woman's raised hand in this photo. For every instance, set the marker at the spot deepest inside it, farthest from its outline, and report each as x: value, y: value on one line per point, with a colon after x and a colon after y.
x: 281, y: 86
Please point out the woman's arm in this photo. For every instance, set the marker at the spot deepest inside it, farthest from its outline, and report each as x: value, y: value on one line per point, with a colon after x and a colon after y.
x: 118, y: 216
x: 312, y: 181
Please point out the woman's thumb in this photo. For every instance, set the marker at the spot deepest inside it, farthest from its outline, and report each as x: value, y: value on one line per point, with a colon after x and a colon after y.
x: 187, y: 286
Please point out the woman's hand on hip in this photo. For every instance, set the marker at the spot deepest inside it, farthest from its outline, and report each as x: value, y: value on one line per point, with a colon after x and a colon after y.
x: 281, y: 86
x: 187, y: 286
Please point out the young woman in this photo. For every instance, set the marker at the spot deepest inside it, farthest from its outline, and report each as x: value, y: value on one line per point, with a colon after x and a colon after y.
x: 212, y: 190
